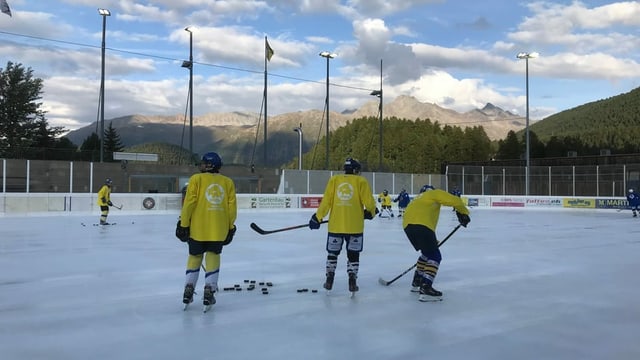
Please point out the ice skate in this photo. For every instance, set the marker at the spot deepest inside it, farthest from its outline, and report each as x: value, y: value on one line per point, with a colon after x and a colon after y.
x: 353, y: 287
x: 328, y: 284
x: 207, y: 298
x: 428, y: 294
x: 187, y: 297
x: 417, y: 281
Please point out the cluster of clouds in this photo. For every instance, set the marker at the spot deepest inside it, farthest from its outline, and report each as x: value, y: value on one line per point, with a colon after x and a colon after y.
x: 588, y: 52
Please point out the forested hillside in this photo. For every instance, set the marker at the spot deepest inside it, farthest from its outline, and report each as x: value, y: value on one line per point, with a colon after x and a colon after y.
x: 418, y: 146
x: 612, y: 123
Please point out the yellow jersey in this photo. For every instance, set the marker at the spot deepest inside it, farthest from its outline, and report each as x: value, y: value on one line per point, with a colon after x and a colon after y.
x: 345, y: 198
x: 104, y: 195
x: 425, y: 208
x: 210, y: 207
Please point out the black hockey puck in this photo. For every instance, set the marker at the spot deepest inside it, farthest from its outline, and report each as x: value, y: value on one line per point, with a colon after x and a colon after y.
x: 251, y: 288
x: 261, y: 283
x: 236, y: 285
x: 299, y: 290
x: 265, y: 293
x: 314, y: 290
x: 246, y: 281
x: 238, y: 289
x: 269, y: 284
x: 252, y: 281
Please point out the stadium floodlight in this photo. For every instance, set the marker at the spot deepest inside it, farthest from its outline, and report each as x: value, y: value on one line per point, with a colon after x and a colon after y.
x: 328, y: 56
x: 526, y: 57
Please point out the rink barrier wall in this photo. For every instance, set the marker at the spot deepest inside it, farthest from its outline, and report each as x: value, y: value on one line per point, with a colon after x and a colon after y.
x: 27, y: 203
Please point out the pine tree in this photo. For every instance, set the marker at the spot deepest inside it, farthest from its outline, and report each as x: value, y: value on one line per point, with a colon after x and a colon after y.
x: 112, y: 142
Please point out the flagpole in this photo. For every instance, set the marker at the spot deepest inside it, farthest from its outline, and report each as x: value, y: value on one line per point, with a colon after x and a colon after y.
x: 266, y: 55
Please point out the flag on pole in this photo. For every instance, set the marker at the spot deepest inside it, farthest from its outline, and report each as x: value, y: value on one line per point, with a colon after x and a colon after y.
x: 269, y: 50
x: 4, y: 7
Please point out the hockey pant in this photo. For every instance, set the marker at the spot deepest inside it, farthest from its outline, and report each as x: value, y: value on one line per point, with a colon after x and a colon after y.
x: 210, y: 251
x: 354, y: 244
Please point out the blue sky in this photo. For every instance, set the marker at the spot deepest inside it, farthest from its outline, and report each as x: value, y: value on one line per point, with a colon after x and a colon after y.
x: 457, y: 54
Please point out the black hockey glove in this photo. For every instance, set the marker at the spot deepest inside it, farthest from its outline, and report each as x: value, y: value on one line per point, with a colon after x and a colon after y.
x: 110, y: 203
x: 368, y: 215
x: 463, y: 219
x: 182, y: 233
x: 230, y: 236
x: 314, y: 223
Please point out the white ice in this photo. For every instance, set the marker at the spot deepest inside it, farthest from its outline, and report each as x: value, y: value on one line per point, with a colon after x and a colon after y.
x: 518, y: 284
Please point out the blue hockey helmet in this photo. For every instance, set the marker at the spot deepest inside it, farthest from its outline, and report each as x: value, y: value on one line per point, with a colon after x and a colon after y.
x: 426, y: 187
x: 352, y: 166
x: 211, y: 162
x: 108, y: 182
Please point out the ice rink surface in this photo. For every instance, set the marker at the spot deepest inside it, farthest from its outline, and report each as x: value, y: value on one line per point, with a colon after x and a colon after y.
x: 518, y: 284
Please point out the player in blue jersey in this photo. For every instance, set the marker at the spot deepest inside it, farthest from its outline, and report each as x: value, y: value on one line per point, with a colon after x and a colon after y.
x: 403, y: 200
x: 634, y: 202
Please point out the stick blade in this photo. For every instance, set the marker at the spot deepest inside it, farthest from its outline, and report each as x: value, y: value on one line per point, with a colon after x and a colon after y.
x: 383, y: 282
x: 257, y: 229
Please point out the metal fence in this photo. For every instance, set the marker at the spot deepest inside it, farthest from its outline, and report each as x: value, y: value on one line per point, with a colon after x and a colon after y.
x: 586, y: 180
x: 28, y: 176
x: 50, y: 176
x: 315, y: 181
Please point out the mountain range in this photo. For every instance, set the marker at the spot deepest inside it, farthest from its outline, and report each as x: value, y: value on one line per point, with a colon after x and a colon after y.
x: 238, y: 136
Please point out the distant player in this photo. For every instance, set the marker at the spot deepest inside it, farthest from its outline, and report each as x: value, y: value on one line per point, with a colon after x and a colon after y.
x: 634, y: 202
x: 348, y: 200
x: 419, y: 223
x: 403, y: 200
x: 456, y: 192
x: 207, y: 223
x: 104, y: 201
x: 385, y: 202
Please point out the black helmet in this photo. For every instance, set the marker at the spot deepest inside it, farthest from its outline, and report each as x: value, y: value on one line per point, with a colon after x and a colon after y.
x: 211, y: 162
x: 385, y: 191
x: 351, y: 166
x: 108, y: 181
x: 425, y: 188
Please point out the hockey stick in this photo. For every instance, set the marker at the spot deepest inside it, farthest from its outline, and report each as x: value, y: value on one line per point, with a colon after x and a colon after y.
x: 261, y: 231
x: 387, y: 283
x: 118, y: 207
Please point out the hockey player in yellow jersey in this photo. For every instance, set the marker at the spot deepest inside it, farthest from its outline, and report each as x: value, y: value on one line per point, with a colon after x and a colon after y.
x: 348, y: 200
x: 385, y: 203
x: 419, y: 223
x: 104, y: 201
x: 207, y: 223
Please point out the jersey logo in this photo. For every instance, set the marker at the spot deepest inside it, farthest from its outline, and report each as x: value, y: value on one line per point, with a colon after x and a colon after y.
x: 345, y: 191
x: 214, y: 194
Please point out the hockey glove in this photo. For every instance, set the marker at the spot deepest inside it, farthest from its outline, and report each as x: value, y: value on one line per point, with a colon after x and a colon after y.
x: 314, y: 223
x: 463, y: 219
x: 182, y: 233
x: 110, y: 203
x: 368, y: 215
x: 230, y: 236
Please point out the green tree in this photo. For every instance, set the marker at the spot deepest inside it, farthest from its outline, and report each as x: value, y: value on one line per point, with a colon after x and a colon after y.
x: 112, y: 143
x: 19, y: 109
x: 509, y: 148
x: 90, y: 148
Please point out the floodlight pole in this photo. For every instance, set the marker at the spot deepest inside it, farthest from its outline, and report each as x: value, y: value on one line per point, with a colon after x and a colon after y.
x: 526, y: 57
x: 299, y: 131
x: 378, y: 93
x: 328, y: 56
x: 104, y: 13
x: 187, y: 29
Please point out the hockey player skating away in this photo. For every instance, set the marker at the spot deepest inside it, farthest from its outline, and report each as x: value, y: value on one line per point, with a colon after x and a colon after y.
x: 104, y: 201
x: 207, y: 223
x: 349, y: 200
x: 385, y: 203
x: 419, y: 223
x: 634, y: 202
x: 403, y: 199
